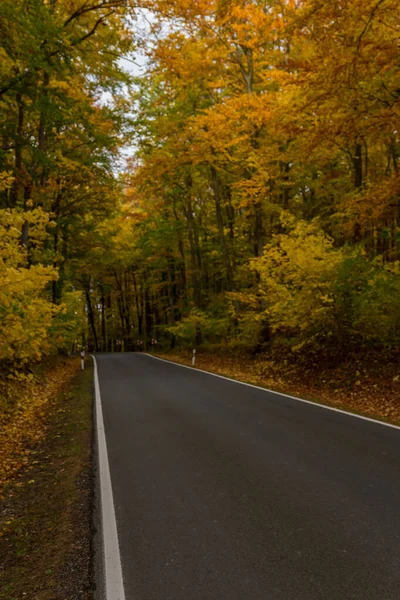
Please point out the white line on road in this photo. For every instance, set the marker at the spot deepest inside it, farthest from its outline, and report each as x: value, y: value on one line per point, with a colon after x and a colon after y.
x: 257, y: 387
x: 112, y: 560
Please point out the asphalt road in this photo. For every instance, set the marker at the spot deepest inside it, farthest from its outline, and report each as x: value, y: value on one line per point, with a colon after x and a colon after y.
x: 226, y: 492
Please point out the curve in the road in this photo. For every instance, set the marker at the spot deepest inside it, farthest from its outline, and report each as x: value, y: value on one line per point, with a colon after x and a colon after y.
x: 229, y: 491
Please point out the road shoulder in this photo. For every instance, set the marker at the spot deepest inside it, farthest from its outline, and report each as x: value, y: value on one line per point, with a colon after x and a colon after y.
x: 46, y: 515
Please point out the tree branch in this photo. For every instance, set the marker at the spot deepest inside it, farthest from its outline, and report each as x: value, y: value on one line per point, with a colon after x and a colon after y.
x: 93, y: 30
x: 85, y: 9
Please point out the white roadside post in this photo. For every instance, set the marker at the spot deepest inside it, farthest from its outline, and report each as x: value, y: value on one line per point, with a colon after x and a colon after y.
x: 82, y: 359
x: 194, y: 357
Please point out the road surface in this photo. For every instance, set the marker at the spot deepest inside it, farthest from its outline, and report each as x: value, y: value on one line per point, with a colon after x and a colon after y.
x: 227, y: 492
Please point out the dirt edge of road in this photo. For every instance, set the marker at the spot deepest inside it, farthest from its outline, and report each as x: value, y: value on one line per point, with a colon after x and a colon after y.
x: 46, y: 516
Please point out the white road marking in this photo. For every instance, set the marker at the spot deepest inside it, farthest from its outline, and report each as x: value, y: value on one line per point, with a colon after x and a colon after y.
x: 112, y: 560
x: 257, y: 387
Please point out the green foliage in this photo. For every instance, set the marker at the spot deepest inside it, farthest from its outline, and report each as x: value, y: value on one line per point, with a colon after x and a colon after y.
x: 262, y: 201
x: 368, y: 300
x: 60, y: 138
x: 199, y: 327
x: 267, y: 168
x: 68, y: 325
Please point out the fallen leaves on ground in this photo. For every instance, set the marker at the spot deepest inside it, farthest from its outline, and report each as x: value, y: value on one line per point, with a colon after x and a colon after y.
x: 45, y: 514
x: 25, y: 406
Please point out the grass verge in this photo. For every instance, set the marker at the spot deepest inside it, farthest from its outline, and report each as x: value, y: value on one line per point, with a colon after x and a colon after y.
x: 45, y: 515
x: 367, y: 384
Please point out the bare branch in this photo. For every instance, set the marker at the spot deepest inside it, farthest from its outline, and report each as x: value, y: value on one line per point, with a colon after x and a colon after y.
x: 93, y: 30
x: 85, y: 9
x: 368, y: 23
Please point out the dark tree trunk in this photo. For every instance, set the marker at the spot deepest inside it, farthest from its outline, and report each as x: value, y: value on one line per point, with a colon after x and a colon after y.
x: 220, y: 223
x: 91, y: 318
x: 258, y: 231
x: 18, y: 152
x: 358, y: 166
x: 193, y: 260
x: 104, y: 343
x: 182, y: 266
x: 358, y: 183
x: 138, y: 305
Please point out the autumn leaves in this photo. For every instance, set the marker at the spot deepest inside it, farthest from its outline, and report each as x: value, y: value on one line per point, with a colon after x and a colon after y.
x: 263, y: 191
x: 58, y: 144
x: 268, y: 142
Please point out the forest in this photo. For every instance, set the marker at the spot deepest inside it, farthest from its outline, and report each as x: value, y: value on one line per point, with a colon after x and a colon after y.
x: 240, y: 185
x: 220, y: 176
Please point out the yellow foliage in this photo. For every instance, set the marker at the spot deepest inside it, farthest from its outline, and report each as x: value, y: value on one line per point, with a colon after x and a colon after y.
x: 6, y: 180
x: 25, y: 312
x: 297, y: 273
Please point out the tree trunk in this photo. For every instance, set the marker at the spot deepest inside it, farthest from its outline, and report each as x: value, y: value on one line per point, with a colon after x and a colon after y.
x: 218, y: 210
x: 358, y: 166
x: 103, y: 322
x: 358, y: 183
x: 259, y: 233
x: 18, y: 152
x: 193, y: 260
x: 138, y: 305
x: 91, y: 317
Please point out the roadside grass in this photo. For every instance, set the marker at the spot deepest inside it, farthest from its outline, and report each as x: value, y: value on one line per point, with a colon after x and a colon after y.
x: 367, y: 384
x: 45, y: 515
